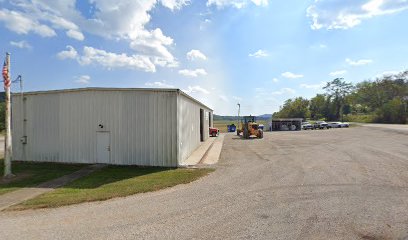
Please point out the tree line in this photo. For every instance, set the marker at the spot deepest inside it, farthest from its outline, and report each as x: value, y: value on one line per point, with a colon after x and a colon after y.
x: 383, y: 100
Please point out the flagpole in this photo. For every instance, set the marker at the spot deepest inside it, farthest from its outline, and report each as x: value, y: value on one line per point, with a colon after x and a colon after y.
x: 8, y: 147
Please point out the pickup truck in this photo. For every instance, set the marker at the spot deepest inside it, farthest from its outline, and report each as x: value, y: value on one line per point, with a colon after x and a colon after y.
x: 307, y: 125
x: 214, y: 132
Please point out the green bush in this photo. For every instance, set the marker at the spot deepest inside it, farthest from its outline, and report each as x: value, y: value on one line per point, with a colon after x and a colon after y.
x: 361, y: 118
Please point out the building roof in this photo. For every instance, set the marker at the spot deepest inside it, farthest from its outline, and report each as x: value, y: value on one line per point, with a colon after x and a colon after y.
x: 176, y: 90
x: 287, y: 119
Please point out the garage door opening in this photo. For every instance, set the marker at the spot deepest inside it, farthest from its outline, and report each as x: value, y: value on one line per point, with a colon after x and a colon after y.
x: 201, y: 125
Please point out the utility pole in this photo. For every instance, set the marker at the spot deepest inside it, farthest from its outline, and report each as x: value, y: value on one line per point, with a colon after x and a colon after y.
x: 239, y: 109
x: 7, y: 142
x: 405, y: 98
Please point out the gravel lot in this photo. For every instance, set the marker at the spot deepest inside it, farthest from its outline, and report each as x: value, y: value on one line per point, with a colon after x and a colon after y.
x: 327, y: 184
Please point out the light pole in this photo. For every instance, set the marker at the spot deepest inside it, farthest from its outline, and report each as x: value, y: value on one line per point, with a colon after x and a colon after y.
x: 405, y: 98
x: 239, y: 109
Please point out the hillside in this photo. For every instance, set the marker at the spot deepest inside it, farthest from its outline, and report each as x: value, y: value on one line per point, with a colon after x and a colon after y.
x: 235, y: 118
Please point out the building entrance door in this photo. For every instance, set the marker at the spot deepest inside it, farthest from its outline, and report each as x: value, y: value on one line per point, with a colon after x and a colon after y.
x: 103, y: 147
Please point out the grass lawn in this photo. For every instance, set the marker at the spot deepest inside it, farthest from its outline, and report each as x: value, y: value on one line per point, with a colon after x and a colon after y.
x: 29, y: 174
x: 222, y: 125
x: 114, y: 181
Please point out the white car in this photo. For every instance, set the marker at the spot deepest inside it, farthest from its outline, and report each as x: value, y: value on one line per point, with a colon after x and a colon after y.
x: 335, y: 124
x: 339, y: 124
x: 345, y: 124
x: 307, y: 125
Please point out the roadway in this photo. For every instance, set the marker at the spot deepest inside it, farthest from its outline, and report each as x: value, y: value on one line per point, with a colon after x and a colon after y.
x: 323, y: 184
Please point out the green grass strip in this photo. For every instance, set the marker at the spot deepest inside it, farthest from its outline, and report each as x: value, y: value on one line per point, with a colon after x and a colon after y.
x: 114, y: 181
x: 30, y: 174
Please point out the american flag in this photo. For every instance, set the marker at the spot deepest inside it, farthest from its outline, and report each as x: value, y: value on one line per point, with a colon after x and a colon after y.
x: 5, y: 73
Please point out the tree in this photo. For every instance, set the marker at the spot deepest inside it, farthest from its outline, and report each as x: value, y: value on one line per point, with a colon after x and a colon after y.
x: 384, y: 98
x: 318, y: 107
x: 338, y: 89
x: 392, y: 112
x: 294, y: 108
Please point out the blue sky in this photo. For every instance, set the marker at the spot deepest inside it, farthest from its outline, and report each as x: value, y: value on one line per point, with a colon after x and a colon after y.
x: 256, y: 52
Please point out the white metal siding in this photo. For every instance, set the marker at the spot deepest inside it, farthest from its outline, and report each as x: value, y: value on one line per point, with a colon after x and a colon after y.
x: 62, y: 126
x: 189, y: 126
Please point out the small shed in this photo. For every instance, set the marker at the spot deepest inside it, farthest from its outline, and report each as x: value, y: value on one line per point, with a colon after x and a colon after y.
x: 120, y: 126
x: 285, y: 124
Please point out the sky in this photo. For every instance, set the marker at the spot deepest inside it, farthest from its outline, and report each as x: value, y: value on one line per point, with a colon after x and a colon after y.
x: 222, y: 52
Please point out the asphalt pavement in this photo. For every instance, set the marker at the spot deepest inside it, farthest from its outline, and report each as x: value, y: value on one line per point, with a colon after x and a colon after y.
x: 322, y: 184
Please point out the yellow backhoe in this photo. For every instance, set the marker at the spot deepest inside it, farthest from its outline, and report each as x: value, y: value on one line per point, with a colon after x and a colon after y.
x: 250, y: 128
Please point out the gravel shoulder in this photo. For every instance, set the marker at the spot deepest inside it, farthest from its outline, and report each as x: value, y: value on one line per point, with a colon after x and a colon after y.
x: 326, y: 184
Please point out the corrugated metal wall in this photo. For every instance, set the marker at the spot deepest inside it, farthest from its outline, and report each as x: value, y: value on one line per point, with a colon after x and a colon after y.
x: 62, y: 126
x: 189, y: 126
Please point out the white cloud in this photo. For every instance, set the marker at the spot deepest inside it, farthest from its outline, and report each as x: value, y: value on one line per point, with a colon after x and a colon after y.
x: 291, y: 75
x: 236, y: 3
x: 223, y: 98
x: 313, y: 86
x: 83, y: 79
x: 237, y: 98
x: 344, y: 14
x: 127, y: 20
x: 75, y: 35
x: 174, y: 4
x: 121, y: 20
x: 153, y: 44
x: 388, y: 73
x: 195, y: 54
x: 205, y: 23
x: 275, y: 80
x: 319, y: 46
x: 337, y: 73
x: 40, y: 18
x: 358, y: 62
x: 20, y: 44
x: 193, y: 73
x: 259, y: 54
x: 260, y: 2
x: 162, y: 84
x: 21, y: 24
x: 196, y: 89
x: 288, y: 91
x: 71, y: 53
x: 113, y: 60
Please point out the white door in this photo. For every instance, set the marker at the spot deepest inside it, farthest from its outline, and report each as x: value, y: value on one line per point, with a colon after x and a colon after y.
x: 102, y: 147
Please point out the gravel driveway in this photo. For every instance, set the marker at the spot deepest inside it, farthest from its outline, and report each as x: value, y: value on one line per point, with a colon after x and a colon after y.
x: 324, y: 184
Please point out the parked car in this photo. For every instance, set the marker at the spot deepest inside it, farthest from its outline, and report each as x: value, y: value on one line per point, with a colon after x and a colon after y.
x: 307, y: 125
x: 214, y: 132
x: 321, y: 125
x: 335, y: 124
x: 339, y: 124
x: 345, y: 124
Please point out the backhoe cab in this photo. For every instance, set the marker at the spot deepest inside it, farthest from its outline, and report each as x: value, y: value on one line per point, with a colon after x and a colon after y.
x: 249, y: 128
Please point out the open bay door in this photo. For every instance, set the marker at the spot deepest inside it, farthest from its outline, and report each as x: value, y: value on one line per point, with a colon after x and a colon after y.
x: 202, y: 125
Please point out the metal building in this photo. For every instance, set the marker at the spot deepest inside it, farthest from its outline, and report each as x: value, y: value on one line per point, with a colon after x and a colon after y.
x: 147, y: 127
x: 285, y: 124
